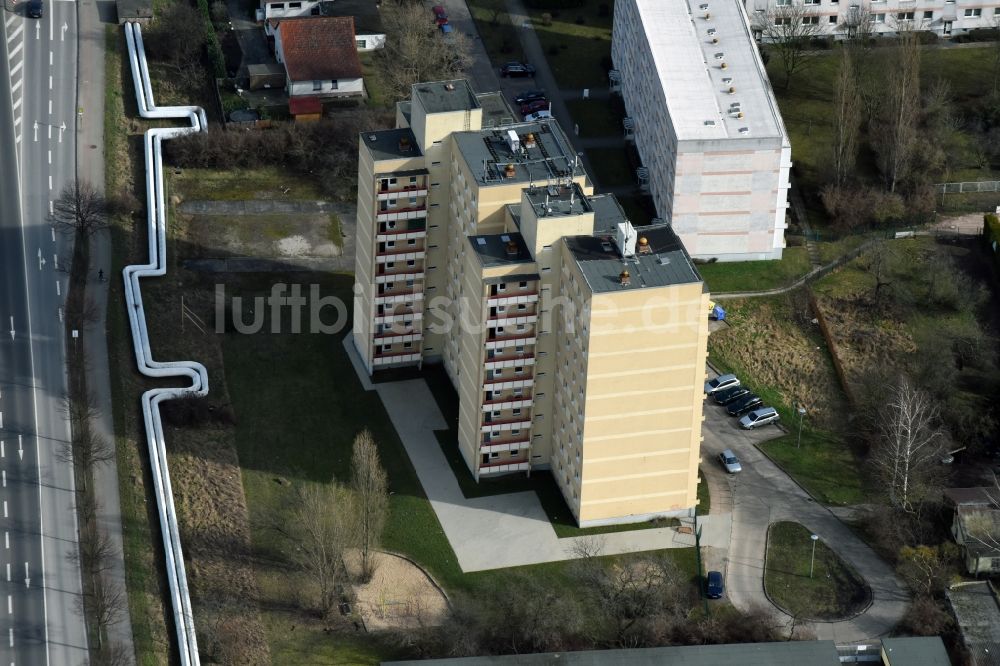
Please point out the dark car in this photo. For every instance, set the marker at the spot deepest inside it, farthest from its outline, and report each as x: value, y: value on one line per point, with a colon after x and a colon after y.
x: 529, y: 96
x: 532, y: 107
x: 728, y: 395
x: 35, y: 9
x: 517, y: 69
x: 743, y: 405
x: 714, y: 585
x: 439, y: 12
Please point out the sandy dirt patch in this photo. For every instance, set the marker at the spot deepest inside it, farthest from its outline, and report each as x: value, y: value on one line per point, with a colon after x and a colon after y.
x: 399, y: 596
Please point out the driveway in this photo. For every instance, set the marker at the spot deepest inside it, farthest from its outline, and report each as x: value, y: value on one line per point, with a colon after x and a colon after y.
x: 762, y: 494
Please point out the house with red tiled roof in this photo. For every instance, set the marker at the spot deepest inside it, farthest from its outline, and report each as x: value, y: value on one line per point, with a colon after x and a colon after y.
x: 319, y: 55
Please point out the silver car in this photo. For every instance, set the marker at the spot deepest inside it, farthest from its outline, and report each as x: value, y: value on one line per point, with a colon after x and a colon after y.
x: 720, y: 383
x: 730, y: 461
x: 758, y: 417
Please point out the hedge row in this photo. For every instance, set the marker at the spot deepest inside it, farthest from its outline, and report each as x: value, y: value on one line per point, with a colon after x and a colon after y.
x: 992, y: 224
x: 212, y: 40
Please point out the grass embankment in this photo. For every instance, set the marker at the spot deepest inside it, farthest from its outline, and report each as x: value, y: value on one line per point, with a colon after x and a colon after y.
x: 596, y: 118
x: 299, y: 405
x: 143, y: 557
x: 736, y: 276
x: 833, y: 591
x: 775, y: 349
x: 610, y: 167
x: 577, y: 43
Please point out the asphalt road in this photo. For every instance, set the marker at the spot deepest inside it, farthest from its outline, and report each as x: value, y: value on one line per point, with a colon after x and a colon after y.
x: 40, y: 585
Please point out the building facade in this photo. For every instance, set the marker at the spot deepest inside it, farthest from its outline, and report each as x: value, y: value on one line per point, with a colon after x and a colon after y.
x: 839, y: 18
x: 576, y: 342
x: 705, y: 123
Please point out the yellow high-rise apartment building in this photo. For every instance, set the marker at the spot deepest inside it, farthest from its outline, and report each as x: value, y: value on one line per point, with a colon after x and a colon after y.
x: 577, y: 343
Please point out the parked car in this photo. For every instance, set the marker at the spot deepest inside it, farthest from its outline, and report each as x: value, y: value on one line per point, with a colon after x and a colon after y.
x: 721, y: 383
x: 538, y: 115
x: 730, y: 462
x: 726, y: 396
x: 714, y: 585
x: 441, y: 20
x: 529, y: 96
x: 743, y: 405
x: 446, y: 29
x: 35, y: 9
x: 759, y: 417
x: 535, y: 106
x: 517, y: 69
x: 439, y: 12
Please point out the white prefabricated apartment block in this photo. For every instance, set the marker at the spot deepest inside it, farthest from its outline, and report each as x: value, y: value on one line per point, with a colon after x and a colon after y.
x: 706, y: 124
x: 836, y: 18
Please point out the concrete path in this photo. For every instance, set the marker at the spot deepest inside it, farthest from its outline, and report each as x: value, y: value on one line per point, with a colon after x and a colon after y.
x: 503, y: 530
x: 762, y: 494
x: 90, y: 166
x: 481, y: 73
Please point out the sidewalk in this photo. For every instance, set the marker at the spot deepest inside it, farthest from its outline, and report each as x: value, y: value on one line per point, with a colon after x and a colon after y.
x: 90, y: 166
x: 503, y: 530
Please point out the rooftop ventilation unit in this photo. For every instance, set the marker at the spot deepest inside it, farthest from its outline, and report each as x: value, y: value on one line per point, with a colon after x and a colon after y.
x: 513, y: 142
x: 727, y: 80
x: 710, y: 123
x: 663, y: 261
x: 626, y: 239
x: 711, y: 32
x: 703, y: 7
x: 744, y: 130
x: 449, y: 86
x: 720, y: 56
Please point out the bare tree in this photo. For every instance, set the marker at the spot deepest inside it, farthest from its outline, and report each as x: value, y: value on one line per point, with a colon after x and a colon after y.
x: 588, y: 546
x: 96, y: 552
x: 85, y: 447
x: 416, y: 51
x: 787, y: 29
x: 114, y: 654
x: 905, y: 459
x: 177, y: 39
x: 894, y: 126
x: 320, y: 531
x: 80, y: 210
x: 106, y: 602
x: 878, y: 261
x: 847, y: 120
x: 859, y: 23
x: 371, y: 494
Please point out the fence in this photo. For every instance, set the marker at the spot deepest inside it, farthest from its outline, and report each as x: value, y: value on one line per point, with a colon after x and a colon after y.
x: 968, y: 187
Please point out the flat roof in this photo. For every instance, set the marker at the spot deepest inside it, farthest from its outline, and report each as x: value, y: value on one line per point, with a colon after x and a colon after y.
x: 663, y: 263
x: 688, y: 64
x: 500, y: 249
x: 548, y: 155
x: 787, y: 653
x: 391, y: 144
x: 445, y: 96
x: 496, y: 110
x: 916, y: 651
x: 558, y: 200
x: 978, y: 617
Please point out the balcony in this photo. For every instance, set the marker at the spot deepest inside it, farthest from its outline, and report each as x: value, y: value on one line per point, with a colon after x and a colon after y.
x: 391, y: 299
x: 512, y: 299
x: 399, y: 316
x: 509, y: 403
x: 390, y: 255
x: 506, y: 320
x: 402, y: 272
x: 503, y: 468
x: 509, y: 362
x: 509, y: 383
x: 401, y: 234
x: 389, y: 337
x: 412, y: 213
x: 519, y: 423
x: 393, y: 192
x: 396, y: 358
x: 512, y: 445
x: 510, y: 341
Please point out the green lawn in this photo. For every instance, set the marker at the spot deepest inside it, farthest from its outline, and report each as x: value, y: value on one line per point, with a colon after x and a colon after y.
x: 704, y: 498
x: 822, y: 464
x: 832, y: 592
x: 722, y: 277
x: 610, y: 167
x: 298, y: 406
x: 499, y: 37
x: 239, y: 184
x: 595, y: 117
x: 577, y: 43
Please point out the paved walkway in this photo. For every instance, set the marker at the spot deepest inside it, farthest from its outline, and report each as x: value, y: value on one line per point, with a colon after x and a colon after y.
x: 762, y: 494
x: 90, y: 166
x: 504, y: 530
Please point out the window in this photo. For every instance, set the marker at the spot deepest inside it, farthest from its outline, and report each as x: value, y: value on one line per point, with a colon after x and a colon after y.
x: 278, y: 6
x: 518, y: 370
x: 514, y: 452
x: 928, y: 15
x: 317, y: 85
x: 905, y: 16
x: 407, y: 345
x: 516, y: 411
x: 411, y: 242
x: 390, y: 264
x: 361, y: 43
x: 780, y: 21
x: 810, y: 20
x: 996, y: 11
x: 494, y: 454
x: 973, y: 13
x: 515, y: 432
x: 833, y: 19
x: 295, y: 5
x: 880, y: 18
x: 783, y: 3
x: 502, y: 286
x: 518, y: 392
x: 811, y: 2
x: 411, y: 262
x: 390, y: 244
x: 523, y: 285
x: 496, y: 414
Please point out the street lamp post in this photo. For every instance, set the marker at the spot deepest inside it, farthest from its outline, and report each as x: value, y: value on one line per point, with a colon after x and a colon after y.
x: 802, y: 414
x: 812, y: 560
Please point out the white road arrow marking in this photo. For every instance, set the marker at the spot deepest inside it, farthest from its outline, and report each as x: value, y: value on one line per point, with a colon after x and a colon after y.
x: 62, y: 36
x: 38, y: 31
x: 27, y: 577
x: 4, y: 472
x: 12, y: 328
x: 36, y: 130
x: 2, y: 454
x: 62, y: 128
x: 8, y: 572
x: 41, y: 261
x: 20, y: 447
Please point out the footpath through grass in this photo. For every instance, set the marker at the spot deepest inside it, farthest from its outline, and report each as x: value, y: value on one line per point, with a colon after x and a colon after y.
x: 833, y: 592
